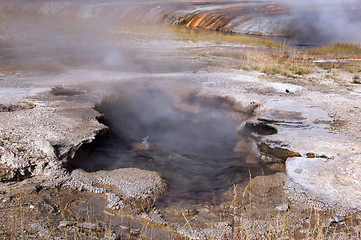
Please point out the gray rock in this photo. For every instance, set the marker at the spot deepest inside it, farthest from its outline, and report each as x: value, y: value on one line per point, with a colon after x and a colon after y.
x: 155, y: 217
x: 116, y: 203
x: 282, y: 208
x: 111, y: 236
x: 46, y: 208
x: 41, y: 230
x: 34, y: 140
x: 135, y: 232
x: 337, y: 219
x: 334, y: 183
x: 63, y: 224
x: 131, y: 185
x: 326, y: 224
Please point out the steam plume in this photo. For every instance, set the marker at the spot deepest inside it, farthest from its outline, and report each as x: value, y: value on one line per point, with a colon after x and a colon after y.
x: 325, y: 21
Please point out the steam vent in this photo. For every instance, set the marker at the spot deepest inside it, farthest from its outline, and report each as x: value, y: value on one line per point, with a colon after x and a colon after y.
x: 180, y: 119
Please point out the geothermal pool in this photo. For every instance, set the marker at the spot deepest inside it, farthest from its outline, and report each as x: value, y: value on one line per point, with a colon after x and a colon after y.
x: 190, y: 141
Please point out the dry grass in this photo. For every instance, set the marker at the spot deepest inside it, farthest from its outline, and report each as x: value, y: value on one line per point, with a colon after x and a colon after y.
x: 242, y: 214
x: 337, y: 49
x: 283, y: 225
x: 258, y: 54
x: 195, y: 35
x: 287, y: 69
x: 272, y: 63
x: 342, y: 56
x: 289, y: 62
x: 273, y: 58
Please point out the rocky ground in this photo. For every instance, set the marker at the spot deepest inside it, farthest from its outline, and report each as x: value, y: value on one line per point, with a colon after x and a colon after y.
x: 305, y: 128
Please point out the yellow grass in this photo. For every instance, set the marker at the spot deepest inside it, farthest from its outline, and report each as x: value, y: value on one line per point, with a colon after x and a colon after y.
x: 195, y: 35
x: 340, y: 49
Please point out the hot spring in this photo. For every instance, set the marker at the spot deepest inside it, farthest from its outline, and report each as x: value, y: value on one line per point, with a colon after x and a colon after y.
x: 191, y: 139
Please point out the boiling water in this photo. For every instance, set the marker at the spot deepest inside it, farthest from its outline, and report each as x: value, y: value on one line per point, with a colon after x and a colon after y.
x: 193, y: 150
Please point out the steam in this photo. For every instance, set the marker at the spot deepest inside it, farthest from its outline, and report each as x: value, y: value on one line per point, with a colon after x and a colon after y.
x: 66, y: 35
x: 189, y: 139
x: 113, y: 59
x: 325, y: 21
x: 145, y: 142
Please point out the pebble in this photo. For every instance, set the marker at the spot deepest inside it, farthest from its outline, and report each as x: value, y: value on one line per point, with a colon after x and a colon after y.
x: 46, y: 208
x: 155, y: 217
x: 111, y: 236
x: 65, y: 224
x: 41, y: 230
x: 326, y: 224
x: 337, y: 219
x: 90, y: 226
x: 83, y: 225
x: 282, y: 208
x: 304, y: 231
x: 135, y: 232
x: 190, y: 212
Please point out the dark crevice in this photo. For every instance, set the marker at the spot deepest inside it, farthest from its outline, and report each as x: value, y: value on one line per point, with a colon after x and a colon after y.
x: 261, y: 128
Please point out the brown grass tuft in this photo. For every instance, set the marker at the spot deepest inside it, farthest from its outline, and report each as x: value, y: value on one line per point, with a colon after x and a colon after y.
x: 337, y: 49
